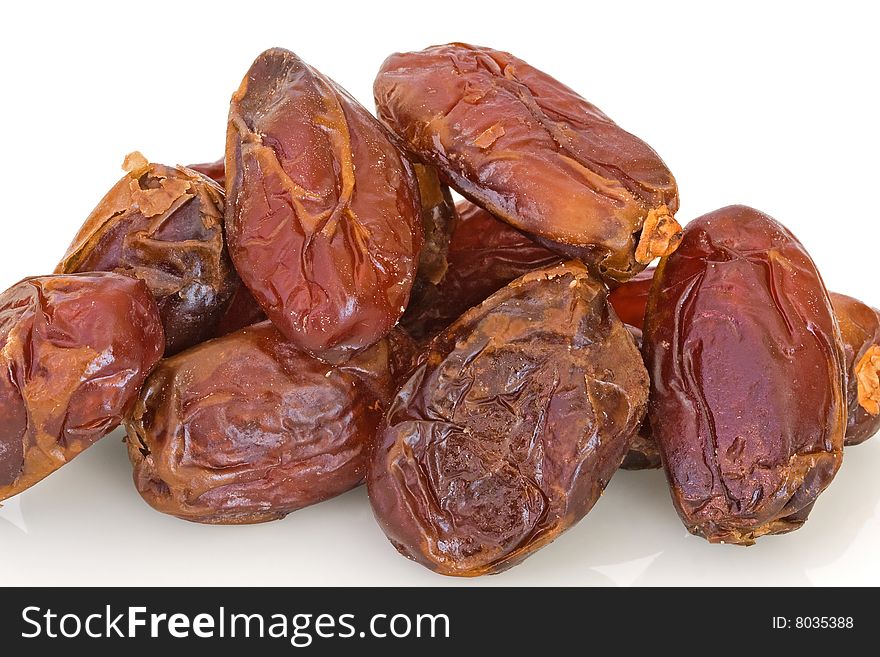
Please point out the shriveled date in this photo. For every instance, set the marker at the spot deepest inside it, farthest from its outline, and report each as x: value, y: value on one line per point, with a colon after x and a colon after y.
x: 748, y: 400
x: 860, y: 330
x: 521, y: 144
x: 510, y: 427
x: 323, y: 215
x: 484, y: 255
x: 74, y: 351
x: 163, y: 225
x: 246, y: 428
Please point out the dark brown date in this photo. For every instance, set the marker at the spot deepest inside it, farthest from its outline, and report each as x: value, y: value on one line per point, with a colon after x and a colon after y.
x: 74, y: 351
x: 510, y: 426
x: 748, y: 401
x: 324, y: 219
x: 484, y: 255
x: 246, y: 428
x: 530, y: 150
x: 163, y: 225
x: 860, y: 330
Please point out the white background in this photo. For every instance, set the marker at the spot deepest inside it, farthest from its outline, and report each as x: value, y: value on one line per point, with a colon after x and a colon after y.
x: 771, y: 106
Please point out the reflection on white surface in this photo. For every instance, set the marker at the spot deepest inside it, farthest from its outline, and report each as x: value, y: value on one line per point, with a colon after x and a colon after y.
x: 86, y: 524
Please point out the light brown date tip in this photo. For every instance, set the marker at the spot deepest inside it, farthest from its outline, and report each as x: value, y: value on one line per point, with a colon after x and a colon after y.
x: 661, y: 234
x: 867, y: 373
x: 134, y: 161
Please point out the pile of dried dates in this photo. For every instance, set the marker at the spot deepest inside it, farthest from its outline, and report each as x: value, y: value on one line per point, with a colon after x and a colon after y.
x: 314, y: 311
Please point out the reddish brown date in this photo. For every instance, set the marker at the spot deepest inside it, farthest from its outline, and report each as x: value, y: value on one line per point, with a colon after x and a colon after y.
x: 324, y: 218
x: 510, y: 426
x: 748, y: 400
x: 485, y: 254
x: 246, y: 428
x: 860, y: 330
x: 74, y: 352
x: 529, y: 149
x: 163, y: 225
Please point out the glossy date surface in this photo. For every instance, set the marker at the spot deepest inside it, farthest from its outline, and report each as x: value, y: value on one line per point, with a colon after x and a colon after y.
x: 748, y: 400
x: 521, y: 144
x: 860, y: 330
x: 74, y: 352
x: 323, y: 217
x: 484, y: 255
x: 510, y: 425
x: 246, y: 428
x: 163, y: 225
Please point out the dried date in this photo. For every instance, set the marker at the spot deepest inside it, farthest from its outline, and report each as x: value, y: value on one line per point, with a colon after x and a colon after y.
x: 163, y: 225
x: 484, y: 255
x: 530, y: 150
x: 748, y: 401
x: 510, y: 426
x: 246, y: 428
x: 74, y: 351
x: 860, y: 330
x: 323, y: 214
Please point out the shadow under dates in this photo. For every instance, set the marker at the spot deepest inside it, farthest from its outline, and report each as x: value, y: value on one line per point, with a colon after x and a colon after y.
x: 632, y: 537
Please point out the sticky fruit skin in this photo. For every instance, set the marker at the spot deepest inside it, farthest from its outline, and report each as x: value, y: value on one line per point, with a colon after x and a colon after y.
x: 748, y: 400
x: 484, y: 255
x: 323, y: 217
x: 163, y: 225
x: 247, y: 428
x: 860, y: 330
x: 510, y: 425
x: 533, y: 152
x: 74, y: 351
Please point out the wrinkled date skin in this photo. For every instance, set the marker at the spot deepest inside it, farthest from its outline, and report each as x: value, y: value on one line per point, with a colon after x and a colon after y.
x: 748, y: 400
x: 510, y: 426
x: 485, y: 254
x: 246, y: 428
x: 643, y: 452
x: 860, y: 330
x: 530, y: 150
x: 163, y: 225
x: 323, y: 216
x: 74, y: 351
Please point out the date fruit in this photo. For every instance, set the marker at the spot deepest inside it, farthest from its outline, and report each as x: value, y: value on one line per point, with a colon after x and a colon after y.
x: 510, y: 426
x: 534, y: 153
x: 246, y: 428
x: 74, y: 351
x: 630, y: 299
x: 748, y: 400
x: 485, y: 254
x: 860, y: 330
x: 323, y: 217
x: 163, y: 225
